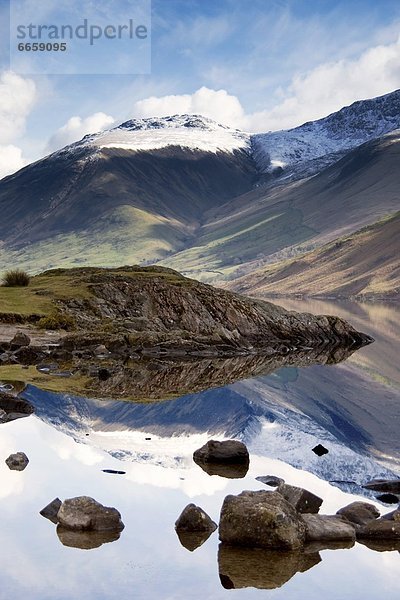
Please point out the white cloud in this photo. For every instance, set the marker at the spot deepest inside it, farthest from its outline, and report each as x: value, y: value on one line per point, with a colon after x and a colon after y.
x: 324, y: 89
x: 330, y: 86
x: 17, y: 98
x: 216, y: 104
x: 76, y: 127
x: 11, y: 160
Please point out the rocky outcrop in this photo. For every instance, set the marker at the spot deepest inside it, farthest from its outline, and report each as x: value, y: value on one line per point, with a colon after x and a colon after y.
x: 359, y: 513
x: 17, y: 462
x: 194, y: 519
x: 85, y: 514
x: 226, y: 452
x: 328, y: 528
x: 302, y: 500
x: 261, y: 520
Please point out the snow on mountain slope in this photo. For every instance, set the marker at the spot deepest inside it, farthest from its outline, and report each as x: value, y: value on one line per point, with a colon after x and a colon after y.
x: 319, y: 143
x: 187, y: 131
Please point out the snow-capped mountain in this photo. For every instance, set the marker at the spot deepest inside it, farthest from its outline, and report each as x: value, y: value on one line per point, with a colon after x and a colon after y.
x: 187, y: 191
x: 317, y: 144
x: 187, y: 131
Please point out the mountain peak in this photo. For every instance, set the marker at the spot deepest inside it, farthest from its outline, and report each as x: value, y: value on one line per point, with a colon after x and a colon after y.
x: 194, y: 132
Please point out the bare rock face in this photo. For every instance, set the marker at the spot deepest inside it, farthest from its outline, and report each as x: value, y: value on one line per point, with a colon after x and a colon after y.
x: 261, y: 519
x: 359, y: 513
x: 391, y: 486
x: 193, y: 518
x: 85, y: 514
x: 302, y: 500
x: 17, y: 462
x: 328, y: 528
x: 229, y: 451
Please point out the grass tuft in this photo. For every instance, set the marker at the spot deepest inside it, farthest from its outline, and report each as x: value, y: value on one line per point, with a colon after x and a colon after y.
x: 16, y: 278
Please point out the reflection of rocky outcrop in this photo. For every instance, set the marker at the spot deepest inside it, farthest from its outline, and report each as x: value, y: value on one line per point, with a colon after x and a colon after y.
x: 12, y: 408
x: 163, y: 378
x: 262, y: 569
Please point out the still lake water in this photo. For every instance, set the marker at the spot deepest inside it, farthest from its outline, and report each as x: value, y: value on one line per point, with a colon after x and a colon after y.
x: 352, y: 408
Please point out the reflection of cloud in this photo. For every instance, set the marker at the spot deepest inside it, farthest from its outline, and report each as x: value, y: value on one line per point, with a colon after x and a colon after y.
x: 12, y: 482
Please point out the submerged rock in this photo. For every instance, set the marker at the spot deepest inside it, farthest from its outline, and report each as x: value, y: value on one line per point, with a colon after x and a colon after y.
x: 261, y: 519
x: 328, y: 528
x: 17, y: 462
x: 51, y: 510
x: 391, y: 486
x: 271, y: 480
x: 85, y: 514
x: 302, y: 500
x: 259, y: 568
x: 388, y: 498
x: 359, y: 513
x: 228, y: 451
x: 320, y: 450
x: 194, y: 519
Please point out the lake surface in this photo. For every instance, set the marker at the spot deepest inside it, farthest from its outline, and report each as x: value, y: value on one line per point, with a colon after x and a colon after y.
x: 352, y: 408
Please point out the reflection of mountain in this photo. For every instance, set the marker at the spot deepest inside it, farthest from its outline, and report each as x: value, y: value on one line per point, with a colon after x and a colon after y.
x: 281, y: 416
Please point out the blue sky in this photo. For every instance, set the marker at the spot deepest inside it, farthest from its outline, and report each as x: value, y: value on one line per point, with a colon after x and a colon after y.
x: 253, y: 64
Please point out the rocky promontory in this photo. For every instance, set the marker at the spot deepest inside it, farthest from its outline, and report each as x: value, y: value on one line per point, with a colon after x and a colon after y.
x: 102, y: 318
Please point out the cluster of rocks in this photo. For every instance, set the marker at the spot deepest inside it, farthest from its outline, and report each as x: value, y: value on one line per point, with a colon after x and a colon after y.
x: 82, y: 522
x: 288, y: 518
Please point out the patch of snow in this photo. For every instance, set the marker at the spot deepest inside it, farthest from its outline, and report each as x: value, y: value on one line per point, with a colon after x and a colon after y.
x: 187, y: 131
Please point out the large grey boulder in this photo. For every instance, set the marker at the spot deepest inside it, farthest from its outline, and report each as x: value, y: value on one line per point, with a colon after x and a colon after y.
x: 359, y: 513
x: 85, y: 514
x: 228, y: 451
x: 17, y: 462
x: 193, y: 518
x: 302, y: 500
x: 328, y: 528
x: 261, y: 519
x: 384, y: 485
